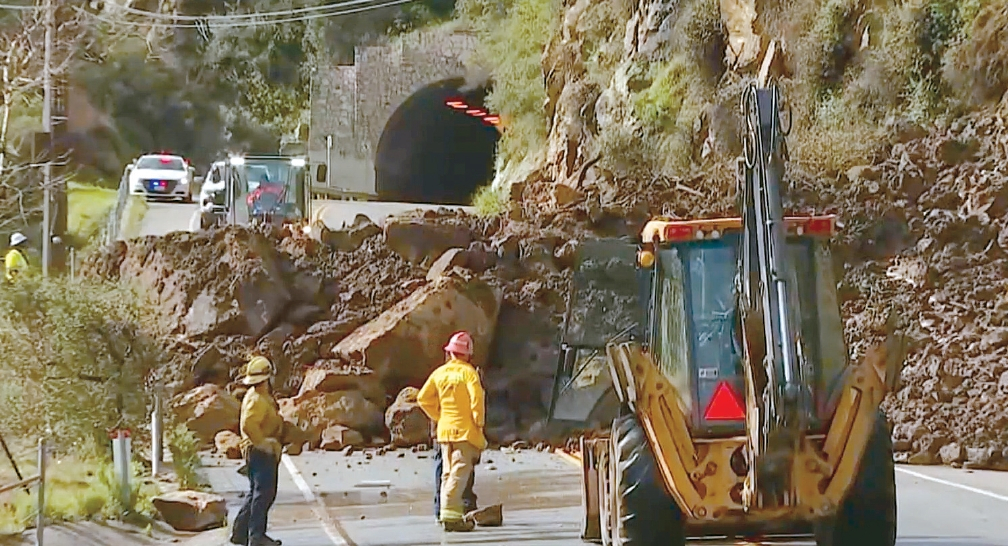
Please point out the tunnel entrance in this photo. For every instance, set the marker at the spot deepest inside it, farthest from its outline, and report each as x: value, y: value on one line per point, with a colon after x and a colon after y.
x: 432, y: 152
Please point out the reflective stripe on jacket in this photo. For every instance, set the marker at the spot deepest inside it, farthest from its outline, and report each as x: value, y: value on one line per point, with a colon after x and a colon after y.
x: 453, y: 397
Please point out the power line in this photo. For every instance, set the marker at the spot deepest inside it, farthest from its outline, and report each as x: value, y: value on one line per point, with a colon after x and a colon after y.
x: 253, y: 23
x: 19, y: 8
x: 239, y: 16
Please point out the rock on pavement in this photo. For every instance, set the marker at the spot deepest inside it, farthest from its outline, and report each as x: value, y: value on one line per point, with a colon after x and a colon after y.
x: 405, y: 343
x: 324, y: 409
x: 337, y: 437
x: 192, y: 510
x: 407, y: 423
x: 207, y: 410
x: 228, y: 444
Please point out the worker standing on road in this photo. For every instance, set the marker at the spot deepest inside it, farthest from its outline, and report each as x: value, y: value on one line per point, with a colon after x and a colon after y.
x: 15, y: 262
x: 468, y: 496
x: 453, y: 397
x: 261, y: 427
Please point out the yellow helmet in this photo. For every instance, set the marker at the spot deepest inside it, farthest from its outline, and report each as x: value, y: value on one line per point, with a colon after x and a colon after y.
x: 258, y: 369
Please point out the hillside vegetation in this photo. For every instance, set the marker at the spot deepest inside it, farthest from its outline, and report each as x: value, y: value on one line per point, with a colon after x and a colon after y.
x: 642, y: 85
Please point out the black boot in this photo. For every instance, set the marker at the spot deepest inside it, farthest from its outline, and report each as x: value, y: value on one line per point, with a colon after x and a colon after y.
x: 264, y: 541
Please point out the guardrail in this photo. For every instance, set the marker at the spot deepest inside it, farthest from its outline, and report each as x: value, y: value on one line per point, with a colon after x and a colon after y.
x: 36, y: 479
x: 339, y: 194
x: 114, y: 223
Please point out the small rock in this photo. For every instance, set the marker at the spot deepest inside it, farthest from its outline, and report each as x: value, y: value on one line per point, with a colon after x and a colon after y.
x: 491, y: 516
x: 564, y: 195
x: 337, y: 437
x: 922, y: 458
x: 228, y: 444
x: 452, y: 258
x: 192, y: 510
x: 952, y: 453
x: 408, y: 423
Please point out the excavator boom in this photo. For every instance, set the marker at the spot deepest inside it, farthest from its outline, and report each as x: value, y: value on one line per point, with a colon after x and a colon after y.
x: 767, y: 302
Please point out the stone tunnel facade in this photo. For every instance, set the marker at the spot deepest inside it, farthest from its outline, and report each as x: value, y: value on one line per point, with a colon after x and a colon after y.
x: 353, y: 103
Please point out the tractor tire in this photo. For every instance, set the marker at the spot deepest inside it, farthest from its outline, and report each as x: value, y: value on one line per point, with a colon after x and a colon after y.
x: 867, y: 516
x: 643, y: 513
x: 605, y: 482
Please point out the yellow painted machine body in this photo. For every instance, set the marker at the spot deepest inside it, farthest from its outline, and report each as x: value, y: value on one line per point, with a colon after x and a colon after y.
x: 702, y: 465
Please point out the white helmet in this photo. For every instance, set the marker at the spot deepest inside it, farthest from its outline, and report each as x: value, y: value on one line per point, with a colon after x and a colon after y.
x: 17, y: 238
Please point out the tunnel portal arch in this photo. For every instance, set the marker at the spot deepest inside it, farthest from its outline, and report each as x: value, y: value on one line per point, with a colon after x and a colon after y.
x: 430, y: 152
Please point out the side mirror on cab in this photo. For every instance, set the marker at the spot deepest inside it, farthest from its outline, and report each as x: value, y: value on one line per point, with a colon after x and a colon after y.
x: 320, y: 173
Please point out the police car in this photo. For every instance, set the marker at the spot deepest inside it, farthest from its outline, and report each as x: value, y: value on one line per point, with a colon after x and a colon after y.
x: 161, y: 176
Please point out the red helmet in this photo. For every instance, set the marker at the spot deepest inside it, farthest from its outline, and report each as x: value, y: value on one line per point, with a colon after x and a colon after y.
x: 460, y: 343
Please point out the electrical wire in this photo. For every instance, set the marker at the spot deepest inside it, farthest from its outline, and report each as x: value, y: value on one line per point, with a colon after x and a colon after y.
x: 18, y: 8
x: 239, y: 16
x: 253, y: 23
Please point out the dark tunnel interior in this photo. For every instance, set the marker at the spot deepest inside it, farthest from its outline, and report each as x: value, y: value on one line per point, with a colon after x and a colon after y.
x: 432, y: 153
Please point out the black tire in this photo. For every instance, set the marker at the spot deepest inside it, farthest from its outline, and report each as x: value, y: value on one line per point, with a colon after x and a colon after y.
x: 643, y: 512
x: 867, y: 516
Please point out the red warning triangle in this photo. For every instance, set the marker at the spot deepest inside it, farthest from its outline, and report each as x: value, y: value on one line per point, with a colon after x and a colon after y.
x: 725, y: 405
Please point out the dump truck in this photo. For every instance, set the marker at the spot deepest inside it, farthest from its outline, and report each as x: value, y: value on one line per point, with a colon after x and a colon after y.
x: 716, y: 347
x: 257, y: 188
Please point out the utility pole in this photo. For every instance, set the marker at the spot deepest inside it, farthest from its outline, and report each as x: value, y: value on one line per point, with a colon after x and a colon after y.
x: 47, y: 93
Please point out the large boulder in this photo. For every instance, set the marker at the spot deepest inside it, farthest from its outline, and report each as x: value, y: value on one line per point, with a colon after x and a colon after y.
x: 406, y: 342
x: 334, y: 376
x: 207, y: 410
x: 407, y: 423
x: 192, y: 510
x: 323, y: 409
x: 416, y: 239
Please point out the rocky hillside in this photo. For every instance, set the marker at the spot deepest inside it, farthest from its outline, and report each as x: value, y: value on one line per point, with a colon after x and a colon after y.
x: 640, y: 119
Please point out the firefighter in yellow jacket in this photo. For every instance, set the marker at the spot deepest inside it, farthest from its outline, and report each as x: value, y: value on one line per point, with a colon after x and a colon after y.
x: 261, y: 432
x: 453, y: 397
x: 15, y: 262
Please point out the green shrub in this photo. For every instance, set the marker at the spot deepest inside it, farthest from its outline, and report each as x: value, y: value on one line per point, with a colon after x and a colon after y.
x: 512, y: 46
x: 184, y: 447
x: 490, y: 200
x: 82, y: 361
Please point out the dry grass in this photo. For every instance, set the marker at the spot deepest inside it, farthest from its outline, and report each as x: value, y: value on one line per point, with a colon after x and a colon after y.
x: 75, y: 490
x: 88, y: 208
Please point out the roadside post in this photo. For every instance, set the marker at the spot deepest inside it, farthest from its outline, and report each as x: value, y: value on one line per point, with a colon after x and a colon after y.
x: 121, y: 462
x: 40, y: 518
x: 157, y: 448
x: 328, y: 159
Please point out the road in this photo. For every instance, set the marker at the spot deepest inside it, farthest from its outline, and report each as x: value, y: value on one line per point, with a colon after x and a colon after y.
x: 328, y: 499
x: 163, y: 218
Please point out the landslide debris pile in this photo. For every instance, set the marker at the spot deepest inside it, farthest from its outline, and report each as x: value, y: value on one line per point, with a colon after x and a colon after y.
x: 939, y: 206
x: 350, y: 318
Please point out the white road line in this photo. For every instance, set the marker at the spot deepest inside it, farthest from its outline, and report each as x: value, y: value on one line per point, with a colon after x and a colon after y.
x: 948, y: 483
x: 335, y: 535
x: 194, y: 221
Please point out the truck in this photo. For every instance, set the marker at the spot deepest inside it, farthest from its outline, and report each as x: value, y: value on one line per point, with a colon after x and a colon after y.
x: 257, y: 188
x: 714, y: 349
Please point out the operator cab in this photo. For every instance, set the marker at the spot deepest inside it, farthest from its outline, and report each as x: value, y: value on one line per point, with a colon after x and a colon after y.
x: 693, y: 329
x: 676, y: 293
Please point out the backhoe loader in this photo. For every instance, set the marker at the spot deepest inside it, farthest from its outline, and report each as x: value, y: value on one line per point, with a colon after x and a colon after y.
x: 740, y: 413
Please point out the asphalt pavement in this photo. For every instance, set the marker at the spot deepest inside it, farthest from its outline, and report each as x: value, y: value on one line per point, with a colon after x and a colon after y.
x: 162, y: 218
x: 328, y: 499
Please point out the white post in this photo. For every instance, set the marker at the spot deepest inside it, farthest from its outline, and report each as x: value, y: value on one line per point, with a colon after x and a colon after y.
x: 328, y: 160
x: 40, y: 517
x: 47, y: 129
x: 121, y: 462
x: 156, y: 436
